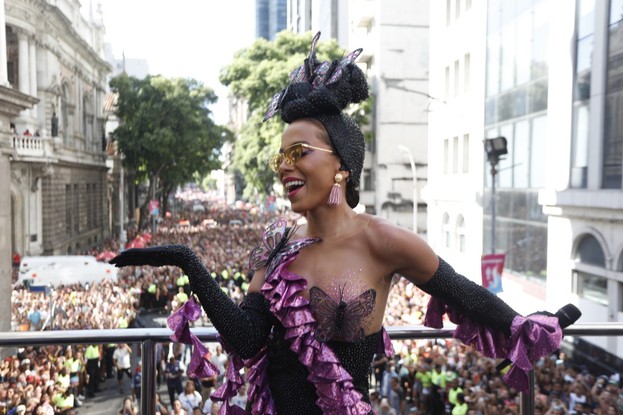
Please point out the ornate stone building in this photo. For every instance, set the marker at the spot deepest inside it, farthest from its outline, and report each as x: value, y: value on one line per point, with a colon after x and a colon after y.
x: 52, y: 60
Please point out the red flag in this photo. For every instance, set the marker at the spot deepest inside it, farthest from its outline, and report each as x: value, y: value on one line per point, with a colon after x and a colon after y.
x: 492, y: 266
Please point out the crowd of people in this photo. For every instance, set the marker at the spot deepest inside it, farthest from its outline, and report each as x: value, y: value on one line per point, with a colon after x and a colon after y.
x: 424, y: 377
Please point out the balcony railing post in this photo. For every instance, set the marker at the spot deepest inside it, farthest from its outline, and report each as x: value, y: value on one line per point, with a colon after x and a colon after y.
x: 148, y: 378
x: 527, y: 398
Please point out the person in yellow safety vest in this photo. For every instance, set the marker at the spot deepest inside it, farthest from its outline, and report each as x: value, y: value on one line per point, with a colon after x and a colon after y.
x: 424, y: 376
x: 186, y: 283
x: 92, y: 354
x: 63, y: 399
x: 122, y: 322
x: 181, y: 296
x: 150, y: 298
x: 183, y: 281
x: 461, y: 407
x: 63, y: 378
x: 438, y: 377
x: 453, y: 389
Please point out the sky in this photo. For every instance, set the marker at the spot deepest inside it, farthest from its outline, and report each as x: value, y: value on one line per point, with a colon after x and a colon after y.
x: 182, y: 38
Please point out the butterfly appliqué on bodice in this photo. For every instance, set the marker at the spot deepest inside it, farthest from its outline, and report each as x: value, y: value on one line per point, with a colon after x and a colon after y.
x: 275, y: 244
x: 340, y: 319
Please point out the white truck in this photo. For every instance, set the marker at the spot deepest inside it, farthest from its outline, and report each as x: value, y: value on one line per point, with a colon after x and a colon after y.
x: 51, y: 271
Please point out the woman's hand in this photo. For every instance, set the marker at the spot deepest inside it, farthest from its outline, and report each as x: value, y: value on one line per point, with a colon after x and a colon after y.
x: 155, y: 256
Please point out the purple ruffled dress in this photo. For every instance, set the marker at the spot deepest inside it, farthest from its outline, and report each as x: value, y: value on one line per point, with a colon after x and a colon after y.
x: 531, y: 337
x: 334, y: 385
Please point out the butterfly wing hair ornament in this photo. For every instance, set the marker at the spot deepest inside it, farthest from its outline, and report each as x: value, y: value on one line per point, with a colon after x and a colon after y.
x: 322, y: 90
x: 316, y: 81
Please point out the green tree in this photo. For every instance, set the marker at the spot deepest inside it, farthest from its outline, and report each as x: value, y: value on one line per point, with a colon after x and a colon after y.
x: 256, y: 74
x: 166, y: 133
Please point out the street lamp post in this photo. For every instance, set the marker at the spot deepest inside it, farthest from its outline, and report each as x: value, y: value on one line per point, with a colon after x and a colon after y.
x: 122, y: 234
x: 495, y: 149
x: 408, y: 152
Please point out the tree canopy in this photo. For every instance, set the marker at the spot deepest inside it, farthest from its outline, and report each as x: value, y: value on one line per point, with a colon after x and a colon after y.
x: 256, y: 74
x: 166, y: 132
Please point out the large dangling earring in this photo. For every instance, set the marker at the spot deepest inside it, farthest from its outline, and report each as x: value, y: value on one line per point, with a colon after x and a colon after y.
x: 335, y: 198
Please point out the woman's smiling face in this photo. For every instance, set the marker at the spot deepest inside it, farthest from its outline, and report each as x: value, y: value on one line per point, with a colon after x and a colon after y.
x: 308, y: 182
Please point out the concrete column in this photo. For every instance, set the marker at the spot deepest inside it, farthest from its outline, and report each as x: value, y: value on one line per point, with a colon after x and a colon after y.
x: 4, y: 78
x: 23, y: 72
x: 5, y: 244
x: 32, y: 58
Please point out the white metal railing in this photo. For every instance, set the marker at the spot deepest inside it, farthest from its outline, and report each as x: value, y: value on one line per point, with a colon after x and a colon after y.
x: 148, y: 337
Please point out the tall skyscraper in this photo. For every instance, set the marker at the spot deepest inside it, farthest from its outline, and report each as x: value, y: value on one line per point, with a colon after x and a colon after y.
x: 270, y: 18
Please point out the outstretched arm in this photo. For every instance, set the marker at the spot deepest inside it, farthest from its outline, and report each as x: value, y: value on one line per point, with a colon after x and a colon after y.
x: 412, y: 257
x: 245, y: 328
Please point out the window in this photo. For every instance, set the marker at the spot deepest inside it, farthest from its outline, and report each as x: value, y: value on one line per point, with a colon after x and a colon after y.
x: 446, y: 155
x: 590, y: 285
x: 589, y: 252
x: 466, y: 72
x: 585, y: 21
x: 76, y: 208
x: 455, y: 155
x: 447, y: 84
x: 538, y: 161
x: 612, y: 168
x: 368, y: 180
x: 456, y: 78
x: 445, y: 230
x: 465, y: 169
x: 521, y: 154
x: 89, y: 207
x: 68, y: 205
x: 460, y: 233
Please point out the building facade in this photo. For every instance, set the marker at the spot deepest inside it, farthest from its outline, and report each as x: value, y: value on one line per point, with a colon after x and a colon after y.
x: 270, y: 18
x: 327, y: 16
x: 394, y: 37
x: 505, y: 69
x: 59, y: 191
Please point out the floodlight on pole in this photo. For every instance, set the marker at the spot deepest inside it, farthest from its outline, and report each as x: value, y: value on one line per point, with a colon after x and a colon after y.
x: 495, y: 148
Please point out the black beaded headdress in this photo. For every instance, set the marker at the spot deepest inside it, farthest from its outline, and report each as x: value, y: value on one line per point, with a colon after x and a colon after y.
x: 321, y: 90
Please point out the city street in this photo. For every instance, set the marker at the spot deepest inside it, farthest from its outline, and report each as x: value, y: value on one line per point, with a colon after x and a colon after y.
x: 109, y: 401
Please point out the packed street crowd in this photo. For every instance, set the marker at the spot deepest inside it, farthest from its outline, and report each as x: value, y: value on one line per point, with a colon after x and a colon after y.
x: 424, y: 377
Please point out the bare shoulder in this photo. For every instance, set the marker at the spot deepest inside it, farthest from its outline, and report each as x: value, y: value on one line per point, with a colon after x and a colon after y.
x: 407, y: 252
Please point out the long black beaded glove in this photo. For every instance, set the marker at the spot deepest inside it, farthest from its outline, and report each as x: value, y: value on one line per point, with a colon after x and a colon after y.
x: 245, y: 328
x: 469, y: 298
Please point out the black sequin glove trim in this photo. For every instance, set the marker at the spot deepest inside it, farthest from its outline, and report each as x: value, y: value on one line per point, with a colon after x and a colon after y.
x: 469, y: 298
x: 245, y: 328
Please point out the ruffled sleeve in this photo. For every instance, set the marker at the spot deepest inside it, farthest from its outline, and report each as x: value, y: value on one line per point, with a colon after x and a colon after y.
x: 531, y: 338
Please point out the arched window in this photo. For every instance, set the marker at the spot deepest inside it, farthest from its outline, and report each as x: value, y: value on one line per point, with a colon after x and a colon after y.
x: 589, y: 275
x: 460, y: 233
x: 445, y: 230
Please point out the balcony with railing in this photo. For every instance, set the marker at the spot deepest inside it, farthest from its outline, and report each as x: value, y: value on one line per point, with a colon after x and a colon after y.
x: 30, y: 146
x: 148, y: 337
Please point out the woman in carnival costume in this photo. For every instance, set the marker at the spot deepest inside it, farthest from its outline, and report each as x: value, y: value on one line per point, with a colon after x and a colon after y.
x: 311, y: 322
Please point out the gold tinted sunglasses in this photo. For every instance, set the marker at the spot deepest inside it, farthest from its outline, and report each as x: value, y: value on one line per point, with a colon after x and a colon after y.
x: 291, y: 155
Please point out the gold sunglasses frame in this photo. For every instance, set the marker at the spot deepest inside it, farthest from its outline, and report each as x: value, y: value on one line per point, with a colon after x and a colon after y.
x: 288, y: 155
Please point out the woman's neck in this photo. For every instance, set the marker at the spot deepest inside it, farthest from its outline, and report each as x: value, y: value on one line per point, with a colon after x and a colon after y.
x: 329, y: 222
